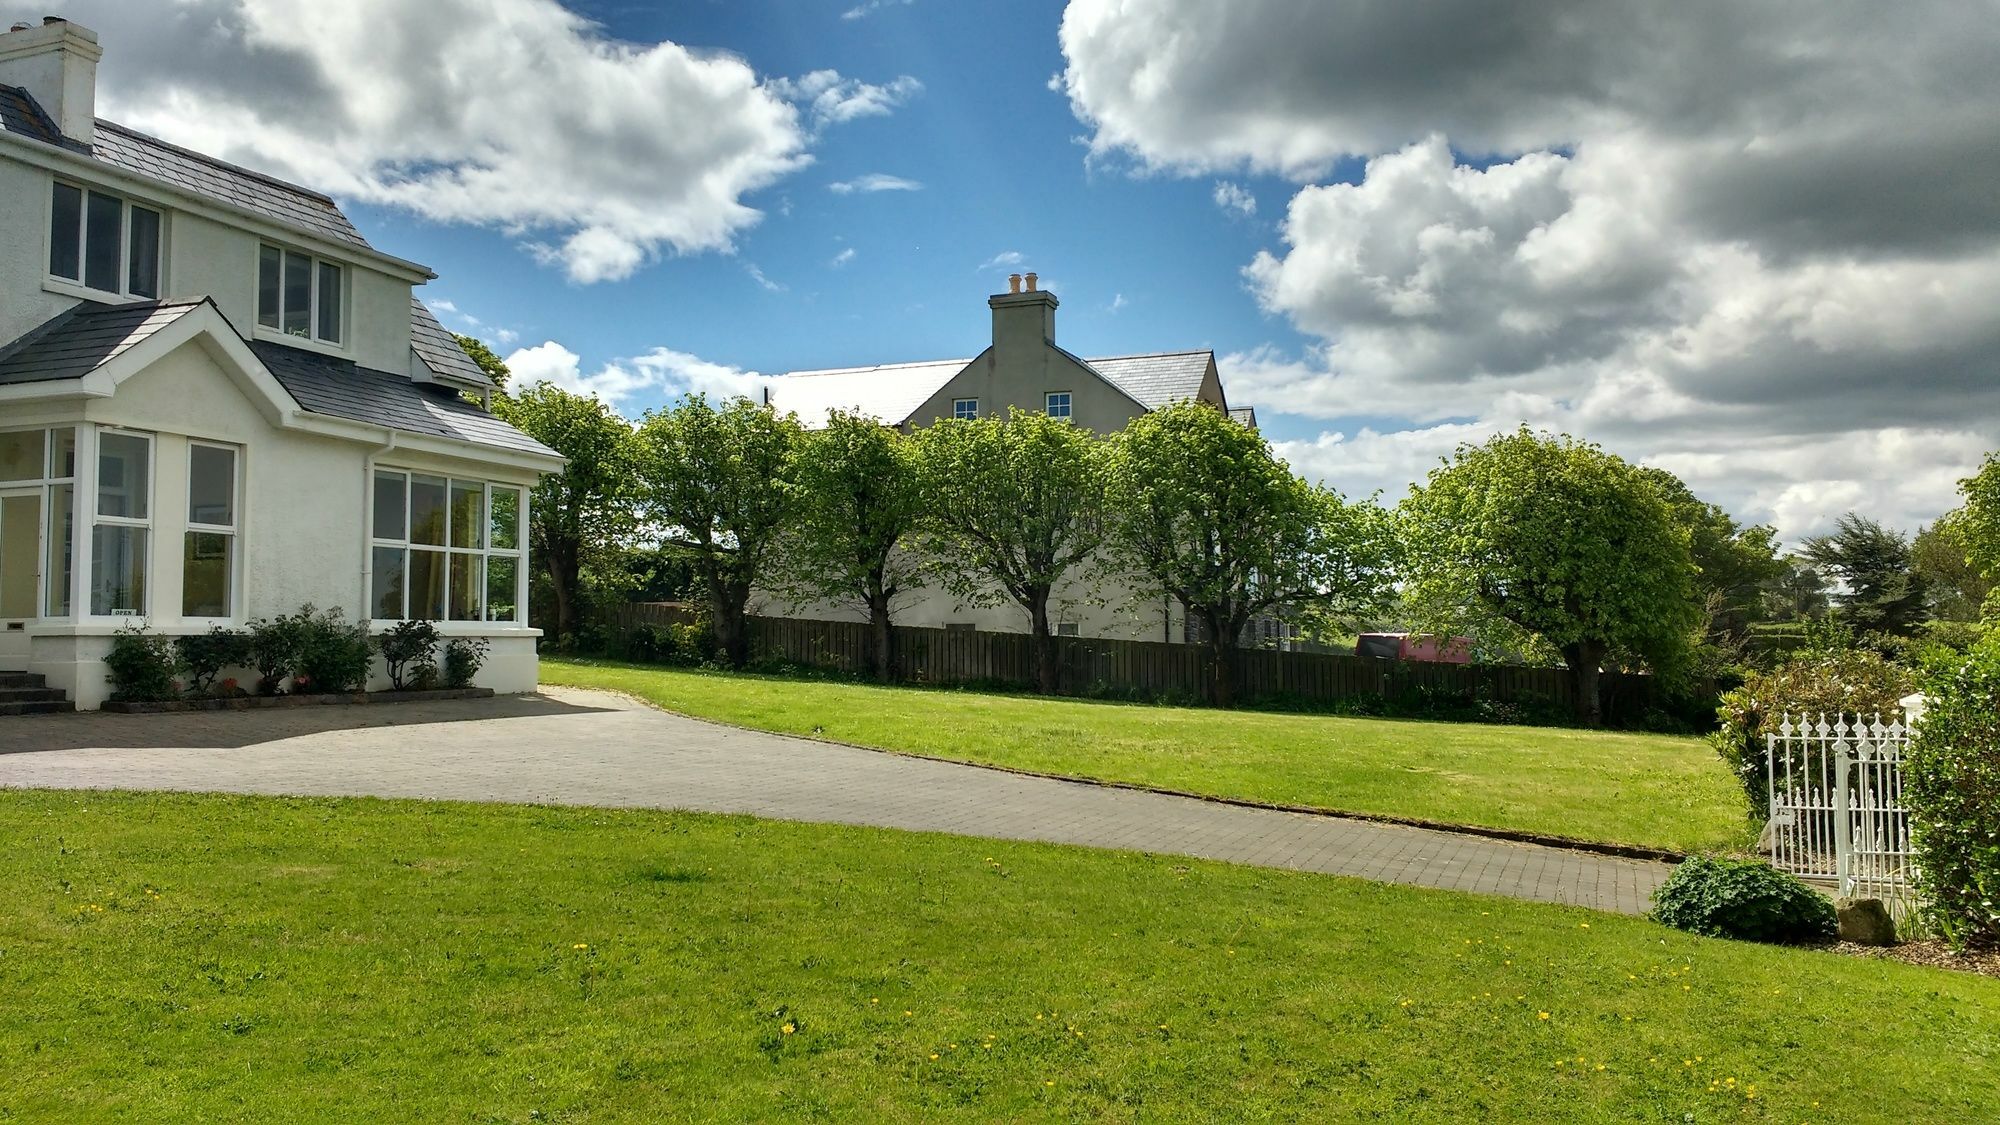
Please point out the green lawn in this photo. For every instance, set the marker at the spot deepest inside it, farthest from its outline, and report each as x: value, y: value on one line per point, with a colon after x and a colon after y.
x: 1655, y: 790
x: 177, y: 958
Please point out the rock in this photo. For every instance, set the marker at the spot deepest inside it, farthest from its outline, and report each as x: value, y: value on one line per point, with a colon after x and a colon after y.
x: 1865, y: 921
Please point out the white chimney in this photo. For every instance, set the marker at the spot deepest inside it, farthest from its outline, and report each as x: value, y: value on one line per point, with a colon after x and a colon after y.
x: 56, y: 64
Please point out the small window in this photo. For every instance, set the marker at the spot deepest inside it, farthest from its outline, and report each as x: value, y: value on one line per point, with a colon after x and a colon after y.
x: 965, y: 408
x: 101, y: 242
x: 1066, y: 629
x: 298, y: 295
x: 1057, y: 403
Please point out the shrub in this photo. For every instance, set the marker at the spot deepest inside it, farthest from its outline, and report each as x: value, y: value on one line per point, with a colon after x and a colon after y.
x: 333, y: 656
x: 409, y: 651
x: 1746, y: 900
x: 462, y: 658
x: 141, y: 666
x: 274, y: 651
x: 1951, y: 785
x: 1831, y: 680
x: 203, y: 656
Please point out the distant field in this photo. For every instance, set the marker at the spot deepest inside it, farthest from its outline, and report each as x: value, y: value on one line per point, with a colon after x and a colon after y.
x: 1654, y: 790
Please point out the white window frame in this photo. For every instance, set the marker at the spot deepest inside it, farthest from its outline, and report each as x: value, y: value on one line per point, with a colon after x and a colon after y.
x: 123, y: 292
x: 231, y: 531
x: 98, y: 519
x: 313, y: 263
x: 47, y: 483
x: 1049, y: 403
x: 484, y: 553
x: 965, y: 408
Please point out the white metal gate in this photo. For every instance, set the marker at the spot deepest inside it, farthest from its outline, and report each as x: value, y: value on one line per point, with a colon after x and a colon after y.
x: 1837, y: 804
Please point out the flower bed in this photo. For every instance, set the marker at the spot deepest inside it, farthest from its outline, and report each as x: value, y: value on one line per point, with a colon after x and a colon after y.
x: 260, y: 702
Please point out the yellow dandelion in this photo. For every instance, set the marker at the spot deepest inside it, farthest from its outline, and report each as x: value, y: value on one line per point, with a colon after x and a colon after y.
x: 1541, y: 1015
x: 1050, y: 1082
x: 908, y: 1012
x: 790, y: 1027
x: 580, y: 945
x: 933, y: 1056
x: 1585, y: 925
x: 874, y: 999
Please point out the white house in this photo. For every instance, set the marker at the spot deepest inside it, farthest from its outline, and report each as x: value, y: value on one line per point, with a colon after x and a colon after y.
x: 1023, y: 368
x: 219, y: 402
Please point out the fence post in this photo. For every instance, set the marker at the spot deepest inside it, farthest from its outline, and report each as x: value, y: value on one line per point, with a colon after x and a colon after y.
x: 1843, y: 820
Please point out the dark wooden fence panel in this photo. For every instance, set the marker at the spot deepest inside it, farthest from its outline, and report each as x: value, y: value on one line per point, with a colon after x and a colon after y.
x: 1147, y: 669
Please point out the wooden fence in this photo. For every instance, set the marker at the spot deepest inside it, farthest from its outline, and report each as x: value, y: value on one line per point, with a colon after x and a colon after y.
x: 1145, y: 669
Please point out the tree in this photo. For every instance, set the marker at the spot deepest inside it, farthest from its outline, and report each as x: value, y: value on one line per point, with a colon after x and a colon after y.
x: 1013, y: 508
x: 1202, y: 512
x: 716, y: 482
x: 1732, y: 563
x: 1883, y: 594
x: 1561, y: 542
x: 1795, y: 593
x: 487, y: 359
x: 1940, y: 557
x: 1978, y: 521
x: 856, y: 498
x: 584, y: 511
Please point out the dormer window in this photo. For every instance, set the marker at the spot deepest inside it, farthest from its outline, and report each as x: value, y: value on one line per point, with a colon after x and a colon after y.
x: 102, y: 242
x: 298, y: 295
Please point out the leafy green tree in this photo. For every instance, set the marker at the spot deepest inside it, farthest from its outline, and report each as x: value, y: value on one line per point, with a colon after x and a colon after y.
x: 1978, y: 522
x: 1013, y: 508
x: 1563, y: 544
x: 487, y: 359
x: 1201, y: 511
x: 578, y: 515
x: 1954, y: 588
x: 1796, y: 592
x: 716, y: 483
x: 1883, y: 594
x: 857, y: 496
x: 1732, y: 562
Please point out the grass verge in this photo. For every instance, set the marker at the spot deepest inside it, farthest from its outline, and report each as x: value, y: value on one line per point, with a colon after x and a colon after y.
x: 173, y: 957
x: 1651, y: 790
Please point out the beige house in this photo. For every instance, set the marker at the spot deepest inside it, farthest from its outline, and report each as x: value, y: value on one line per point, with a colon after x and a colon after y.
x: 1022, y: 369
x: 219, y: 402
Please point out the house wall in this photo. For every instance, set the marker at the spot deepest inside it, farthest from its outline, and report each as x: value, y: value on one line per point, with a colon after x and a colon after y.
x: 1001, y: 378
x: 1097, y: 607
x: 24, y: 250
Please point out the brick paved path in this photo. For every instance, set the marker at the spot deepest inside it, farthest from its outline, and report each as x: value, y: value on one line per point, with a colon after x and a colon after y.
x: 587, y: 748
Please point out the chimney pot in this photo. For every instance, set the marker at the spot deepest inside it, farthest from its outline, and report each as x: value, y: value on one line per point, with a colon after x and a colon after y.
x: 1013, y: 283
x: 1031, y: 282
x: 47, y: 20
x: 56, y: 63
x: 21, y: 27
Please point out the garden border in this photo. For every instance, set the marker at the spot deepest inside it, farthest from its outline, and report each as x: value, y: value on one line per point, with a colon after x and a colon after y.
x: 263, y: 702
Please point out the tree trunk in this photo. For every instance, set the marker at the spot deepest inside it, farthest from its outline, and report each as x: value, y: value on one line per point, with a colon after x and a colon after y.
x: 1043, y: 642
x: 1221, y: 656
x: 732, y: 637
x: 1583, y: 659
x: 882, y: 636
x: 562, y: 583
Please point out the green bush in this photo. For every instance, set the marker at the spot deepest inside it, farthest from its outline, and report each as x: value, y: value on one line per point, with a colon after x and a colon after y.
x: 1746, y: 900
x: 1951, y: 785
x: 332, y: 656
x: 688, y: 644
x: 141, y: 666
x: 1833, y: 681
x: 274, y: 651
x: 203, y: 656
x: 462, y: 658
x: 409, y: 652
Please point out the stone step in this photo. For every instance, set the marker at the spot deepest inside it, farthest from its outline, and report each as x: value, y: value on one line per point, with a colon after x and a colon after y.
x: 38, y: 707
x: 23, y: 680
x: 29, y: 694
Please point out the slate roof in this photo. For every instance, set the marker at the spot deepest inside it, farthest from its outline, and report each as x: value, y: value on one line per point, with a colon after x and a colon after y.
x: 894, y: 391
x: 439, y: 349
x: 344, y: 389
x: 131, y: 151
x: 1244, y: 415
x: 1156, y: 379
x: 84, y: 337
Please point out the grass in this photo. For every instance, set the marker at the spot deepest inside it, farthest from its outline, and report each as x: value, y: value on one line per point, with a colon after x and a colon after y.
x: 1653, y: 790
x: 176, y: 957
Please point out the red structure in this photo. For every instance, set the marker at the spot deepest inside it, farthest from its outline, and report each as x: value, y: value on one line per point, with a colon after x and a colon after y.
x: 1414, y: 646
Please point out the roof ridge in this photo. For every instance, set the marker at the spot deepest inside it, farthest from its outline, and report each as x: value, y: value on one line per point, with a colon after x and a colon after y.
x: 218, y: 162
x: 812, y: 372
x: 1154, y: 355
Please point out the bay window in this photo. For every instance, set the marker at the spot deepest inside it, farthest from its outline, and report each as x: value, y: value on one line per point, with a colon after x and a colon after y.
x: 444, y: 548
x: 103, y: 242
x: 122, y: 522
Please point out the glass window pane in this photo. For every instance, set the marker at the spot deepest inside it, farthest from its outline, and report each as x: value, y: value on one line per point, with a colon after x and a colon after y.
x: 21, y: 455
x: 389, y: 496
x: 62, y: 453
x: 20, y: 555
x: 468, y: 514
x: 268, y: 262
x: 118, y: 570
x: 62, y: 532
x: 466, y: 574
x: 427, y: 583
x: 103, y: 235
x: 329, y: 302
x: 66, y: 233
x: 205, y: 575
x: 122, y: 464
x: 500, y: 574
x: 212, y: 485
x: 427, y: 510
x: 298, y: 295
x: 385, y: 596
x: 142, y: 271
x: 506, y: 519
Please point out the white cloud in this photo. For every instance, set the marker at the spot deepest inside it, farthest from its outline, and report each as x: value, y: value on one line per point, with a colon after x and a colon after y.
x: 1004, y: 260
x: 842, y: 258
x: 1234, y: 199
x: 1753, y: 243
x: 765, y: 283
x: 864, y: 10
x: 598, y: 155
x: 460, y: 321
x: 1118, y: 302
x: 834, y: 100
x: 873, y: 182
x: 659, y: 374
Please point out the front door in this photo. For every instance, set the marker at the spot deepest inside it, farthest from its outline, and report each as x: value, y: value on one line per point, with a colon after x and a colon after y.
x: 20, y: 573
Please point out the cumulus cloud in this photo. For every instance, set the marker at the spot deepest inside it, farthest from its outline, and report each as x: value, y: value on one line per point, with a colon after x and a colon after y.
x: 598, y: 155
x: 659, y: 374
x: 464, y: 323
x: 1004, y: 260
x: 873, y: 182
x: 1753, y: 243
x: 863, y: 11
x: 842, y: 258
x: 1234, y: 199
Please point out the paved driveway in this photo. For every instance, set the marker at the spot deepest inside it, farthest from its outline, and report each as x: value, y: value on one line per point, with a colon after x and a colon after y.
x: 587, y: 748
